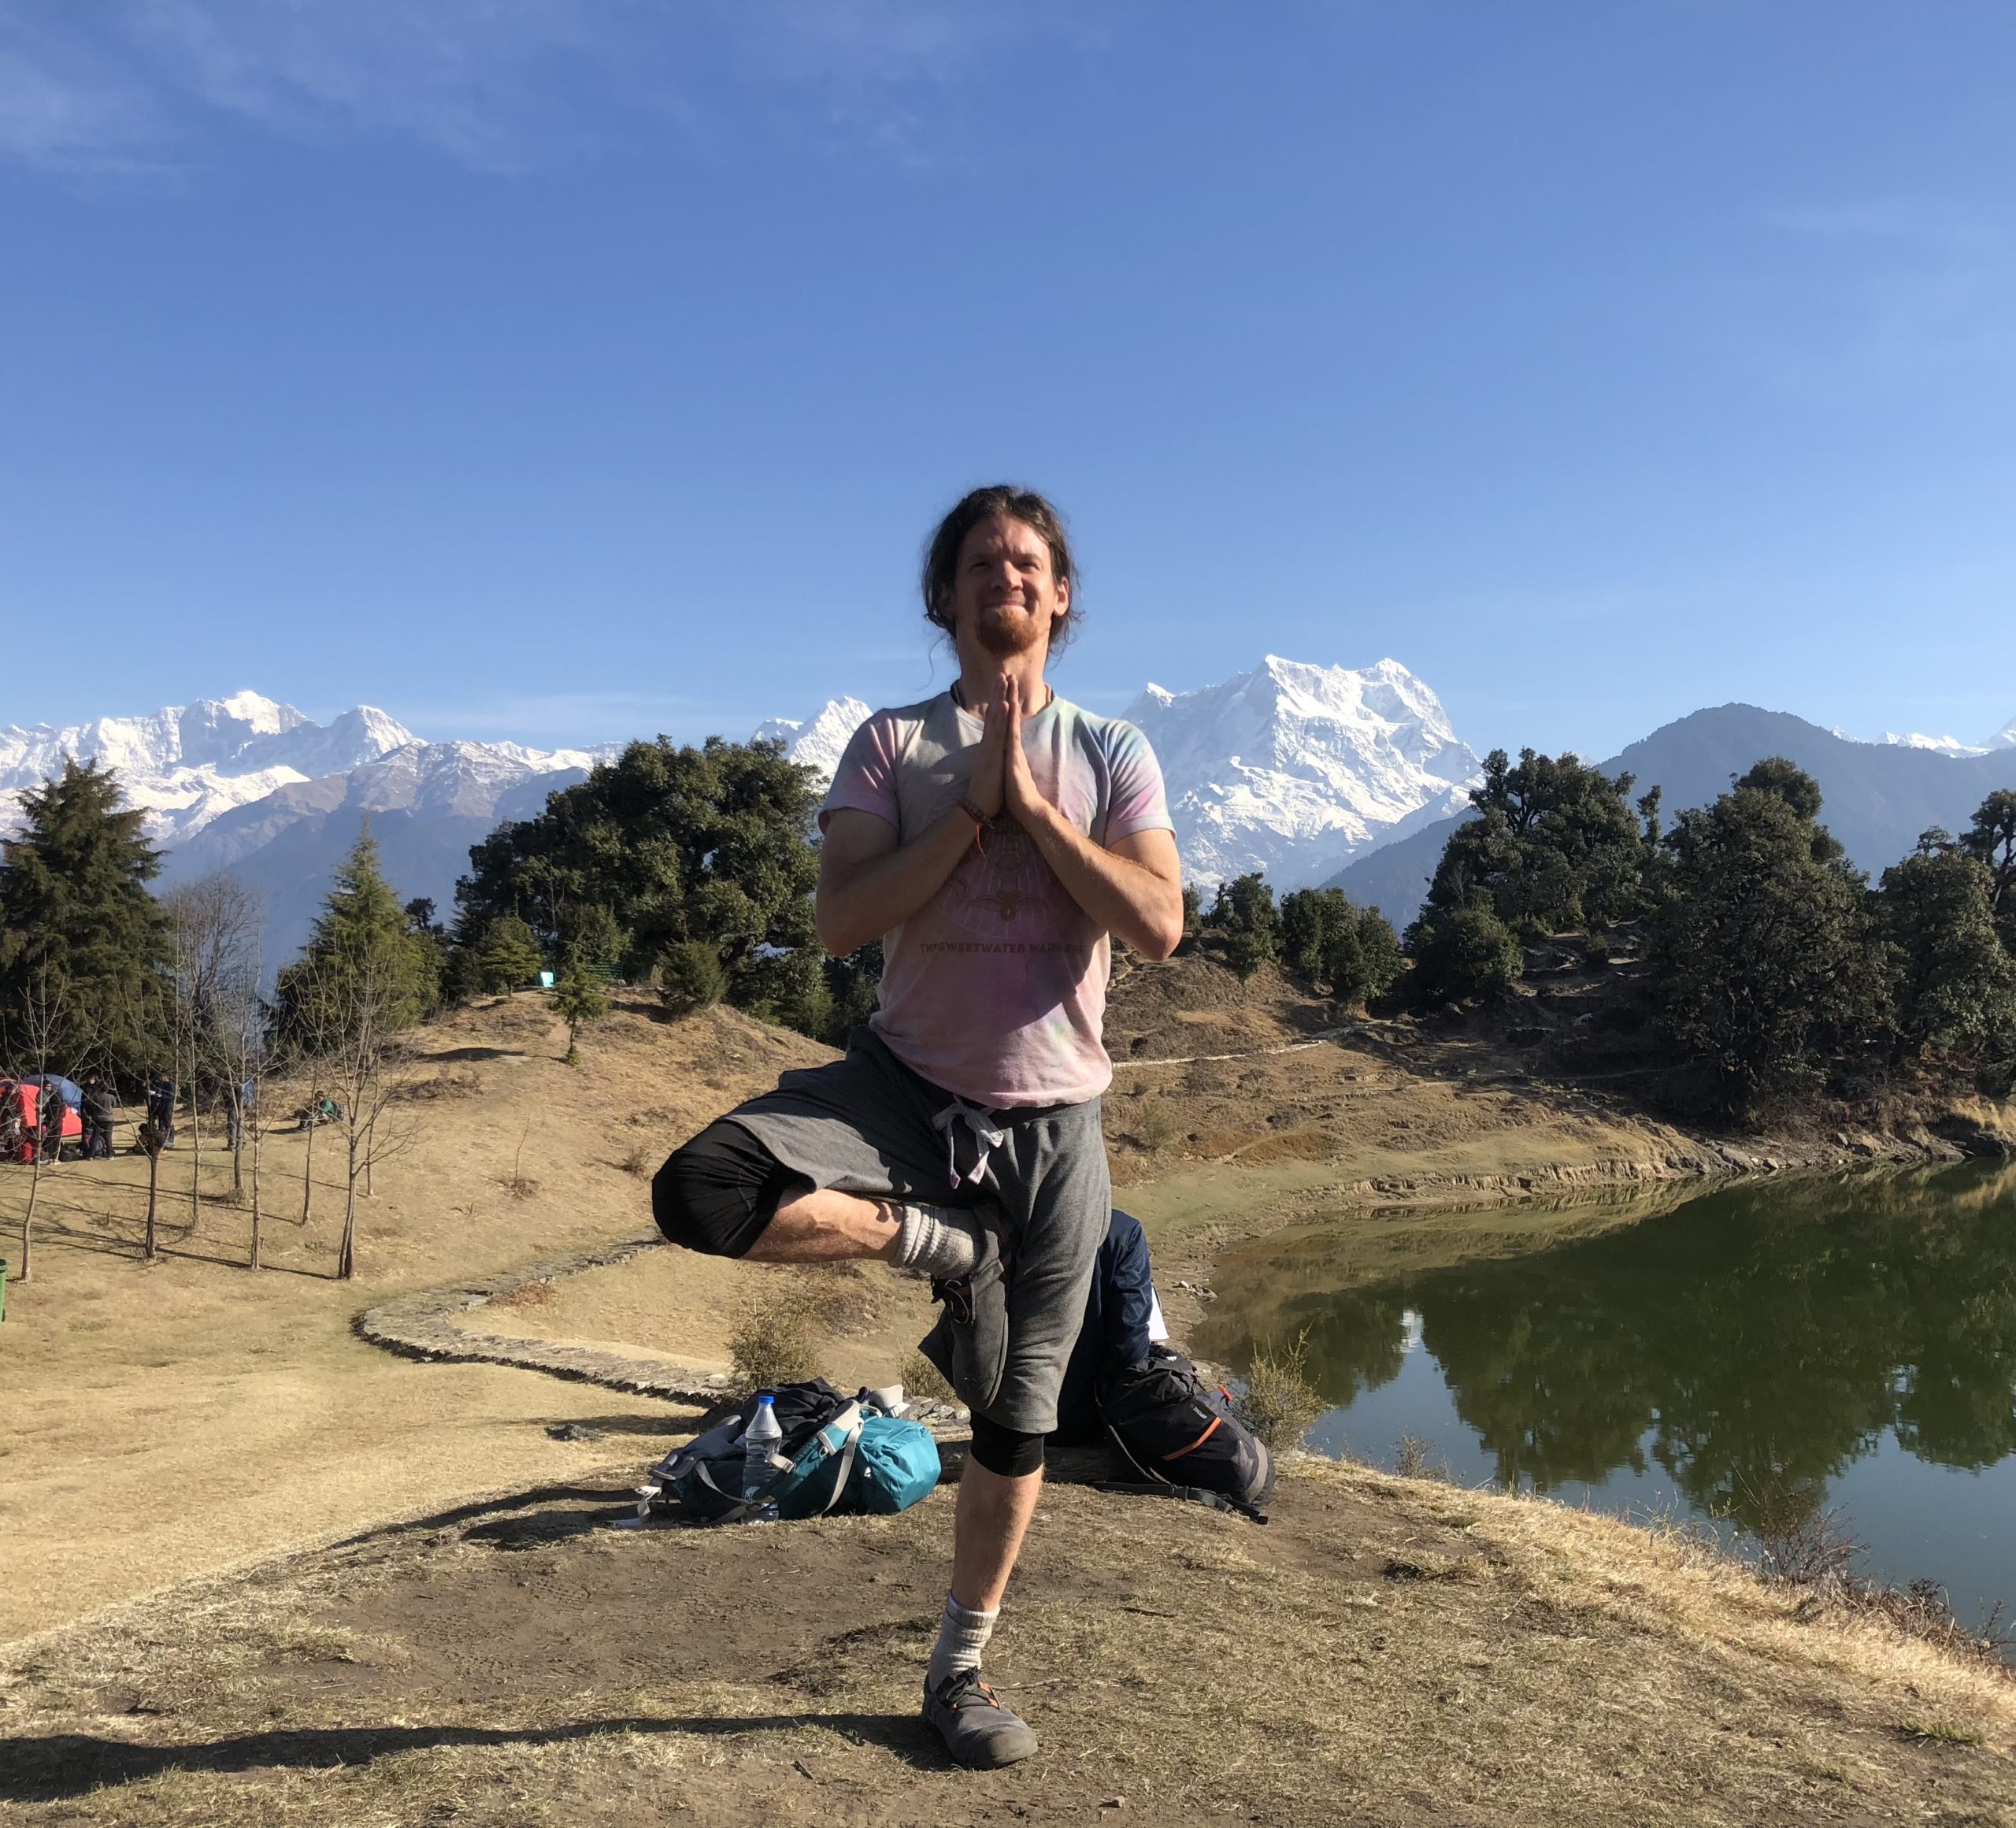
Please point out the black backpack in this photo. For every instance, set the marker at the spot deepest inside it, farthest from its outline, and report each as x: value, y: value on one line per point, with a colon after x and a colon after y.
x: 1181, y: 1434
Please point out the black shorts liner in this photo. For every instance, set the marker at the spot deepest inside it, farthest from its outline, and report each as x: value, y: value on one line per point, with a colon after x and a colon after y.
x: 718, y: 1193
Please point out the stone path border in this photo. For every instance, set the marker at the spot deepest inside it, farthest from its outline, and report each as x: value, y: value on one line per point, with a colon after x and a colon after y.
x: 417, y: 1326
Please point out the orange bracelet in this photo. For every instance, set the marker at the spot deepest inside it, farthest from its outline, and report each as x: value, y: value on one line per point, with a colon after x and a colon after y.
x: 978, y: 819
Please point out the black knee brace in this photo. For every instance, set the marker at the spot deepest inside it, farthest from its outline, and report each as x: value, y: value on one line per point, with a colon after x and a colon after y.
x: 1007, y: 1451
x: 717, y: 1193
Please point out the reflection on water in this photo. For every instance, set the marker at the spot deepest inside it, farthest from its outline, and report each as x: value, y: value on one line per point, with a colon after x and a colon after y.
x: 1852, y: 1338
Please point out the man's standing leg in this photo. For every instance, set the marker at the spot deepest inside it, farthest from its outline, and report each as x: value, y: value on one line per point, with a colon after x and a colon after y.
x: 1059, y: 1202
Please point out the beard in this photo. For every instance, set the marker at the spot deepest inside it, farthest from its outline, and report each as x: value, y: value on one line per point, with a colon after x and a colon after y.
x: 1008, y: 632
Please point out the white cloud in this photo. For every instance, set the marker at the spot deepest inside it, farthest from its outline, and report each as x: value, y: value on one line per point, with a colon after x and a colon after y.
x: 61, y: 102
x: 494, y: 84
x: 1899, y: 289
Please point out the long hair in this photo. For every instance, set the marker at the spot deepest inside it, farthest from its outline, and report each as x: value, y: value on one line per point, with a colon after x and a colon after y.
x: 1004, y: 501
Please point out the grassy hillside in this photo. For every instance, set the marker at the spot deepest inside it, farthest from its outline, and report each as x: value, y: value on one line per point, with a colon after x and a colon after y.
x: 261, y: 1570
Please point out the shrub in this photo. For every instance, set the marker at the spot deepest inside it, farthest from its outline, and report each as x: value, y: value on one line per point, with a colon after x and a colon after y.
x: 1280, y: 1403
x: 1154, y: 1128
x: 691, y: 976
x: 1468, y: 954
x: 1244, y: 913
x: 775, y: 1340
x: 923, y: 1381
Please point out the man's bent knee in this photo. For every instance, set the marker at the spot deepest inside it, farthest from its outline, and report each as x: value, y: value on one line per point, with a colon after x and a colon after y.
x: 717, y: 1193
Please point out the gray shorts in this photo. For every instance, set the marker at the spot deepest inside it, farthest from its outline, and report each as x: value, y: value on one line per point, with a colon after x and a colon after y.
x: 868, y: 1124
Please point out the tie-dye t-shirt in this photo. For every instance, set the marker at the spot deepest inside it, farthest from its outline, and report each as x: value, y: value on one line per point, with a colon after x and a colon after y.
x: 995, y: 988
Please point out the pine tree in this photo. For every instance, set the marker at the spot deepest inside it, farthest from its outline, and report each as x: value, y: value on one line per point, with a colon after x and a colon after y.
x: 75, y: 908
x: 508, y: 955
x: 360, y: 952
x: 579, y: 1000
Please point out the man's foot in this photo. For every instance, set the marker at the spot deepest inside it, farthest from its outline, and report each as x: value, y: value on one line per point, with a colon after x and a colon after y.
x: 941, y: 1243
x: 977, y: 1730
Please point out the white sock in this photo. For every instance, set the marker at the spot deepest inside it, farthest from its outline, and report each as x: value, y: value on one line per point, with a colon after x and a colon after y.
x: 937, y: 1241
x: 961, y: 1637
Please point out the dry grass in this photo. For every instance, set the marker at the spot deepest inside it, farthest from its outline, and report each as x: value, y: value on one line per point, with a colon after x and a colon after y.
x: 1810, y: 1550
x: 1152, y: 1124
x: 526, y: 1295
x: 446, y: 1083
x: 776, y: 1339
x: 1279, y: 1402
x: 1457, y: 1658
x: 250, y: 1397
x: 642, y: 1161
x: 921, y: 1380
x: 1415, y: 1457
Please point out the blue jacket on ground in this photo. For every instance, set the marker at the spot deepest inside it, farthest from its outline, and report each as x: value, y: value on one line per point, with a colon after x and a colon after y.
x: 1117, y: 1314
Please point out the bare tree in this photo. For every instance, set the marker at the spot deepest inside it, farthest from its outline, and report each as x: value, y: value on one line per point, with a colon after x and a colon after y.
x: 213, y: 925
x: 243, y: 1054
x: 353, y: 1008
x: 150, y: 1145
x: 39, y: 1019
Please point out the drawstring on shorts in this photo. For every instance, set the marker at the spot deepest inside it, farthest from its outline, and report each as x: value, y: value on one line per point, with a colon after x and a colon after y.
x: 987, y: 1138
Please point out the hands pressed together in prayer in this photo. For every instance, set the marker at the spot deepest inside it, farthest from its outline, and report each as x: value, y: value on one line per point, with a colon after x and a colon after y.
x: 1002, y: 781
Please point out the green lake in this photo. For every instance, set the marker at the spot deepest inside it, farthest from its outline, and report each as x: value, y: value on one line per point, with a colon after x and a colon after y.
x: 1847, y: 1342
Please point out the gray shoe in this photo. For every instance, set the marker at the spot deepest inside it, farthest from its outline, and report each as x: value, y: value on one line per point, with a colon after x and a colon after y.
x: 977, y: 1730
x: 976, y: 1307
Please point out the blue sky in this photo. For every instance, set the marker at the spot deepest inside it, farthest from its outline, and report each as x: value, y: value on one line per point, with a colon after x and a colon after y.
x: 572, y: 370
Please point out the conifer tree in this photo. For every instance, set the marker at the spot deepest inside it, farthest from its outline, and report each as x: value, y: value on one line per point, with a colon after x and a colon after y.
x: 578, y: 1000
x: 1955, y: 984
x: 507, y: 955
x: 1767, y: 963
x: 1991, y: 840
x: 361, y: 949
x: 75, y: 908
x: 1244, y: 912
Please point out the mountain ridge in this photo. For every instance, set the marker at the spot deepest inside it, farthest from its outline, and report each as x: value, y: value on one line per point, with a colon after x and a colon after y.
x: 1876, y: 797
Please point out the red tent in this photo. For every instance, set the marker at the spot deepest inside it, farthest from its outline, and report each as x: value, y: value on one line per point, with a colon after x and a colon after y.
x: 20, y: 1118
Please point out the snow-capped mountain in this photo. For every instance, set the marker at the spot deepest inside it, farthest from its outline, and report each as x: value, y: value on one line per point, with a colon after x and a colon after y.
x: 818, y: 741
x: 258, y: 788
x: 1294, y: 769
x: 2004, y: 738
x: 188, y: 764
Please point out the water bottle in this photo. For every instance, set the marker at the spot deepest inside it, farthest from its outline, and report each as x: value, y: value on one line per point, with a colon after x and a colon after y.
x: 762, y: 1440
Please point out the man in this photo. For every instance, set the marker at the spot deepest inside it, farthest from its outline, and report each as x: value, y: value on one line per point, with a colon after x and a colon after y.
x: 992, y: 838
x: 99, y: 1110
x: 160, y: 1109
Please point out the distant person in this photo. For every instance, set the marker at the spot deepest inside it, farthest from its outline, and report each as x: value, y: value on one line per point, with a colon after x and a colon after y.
x: 160, y: 1109
x: 239, y: 1111
x: 49, y: 1112
x: 100, y: 1108
x: 992, y: 838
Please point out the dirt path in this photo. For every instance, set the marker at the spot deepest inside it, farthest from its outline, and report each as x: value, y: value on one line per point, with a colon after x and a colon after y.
x: 1384, y: 1651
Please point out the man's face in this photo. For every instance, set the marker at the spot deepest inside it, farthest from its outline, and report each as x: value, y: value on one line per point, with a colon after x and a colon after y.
x: 1004, y: 592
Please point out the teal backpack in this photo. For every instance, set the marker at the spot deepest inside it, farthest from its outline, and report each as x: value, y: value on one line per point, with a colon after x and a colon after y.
x: 838, y: 1456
